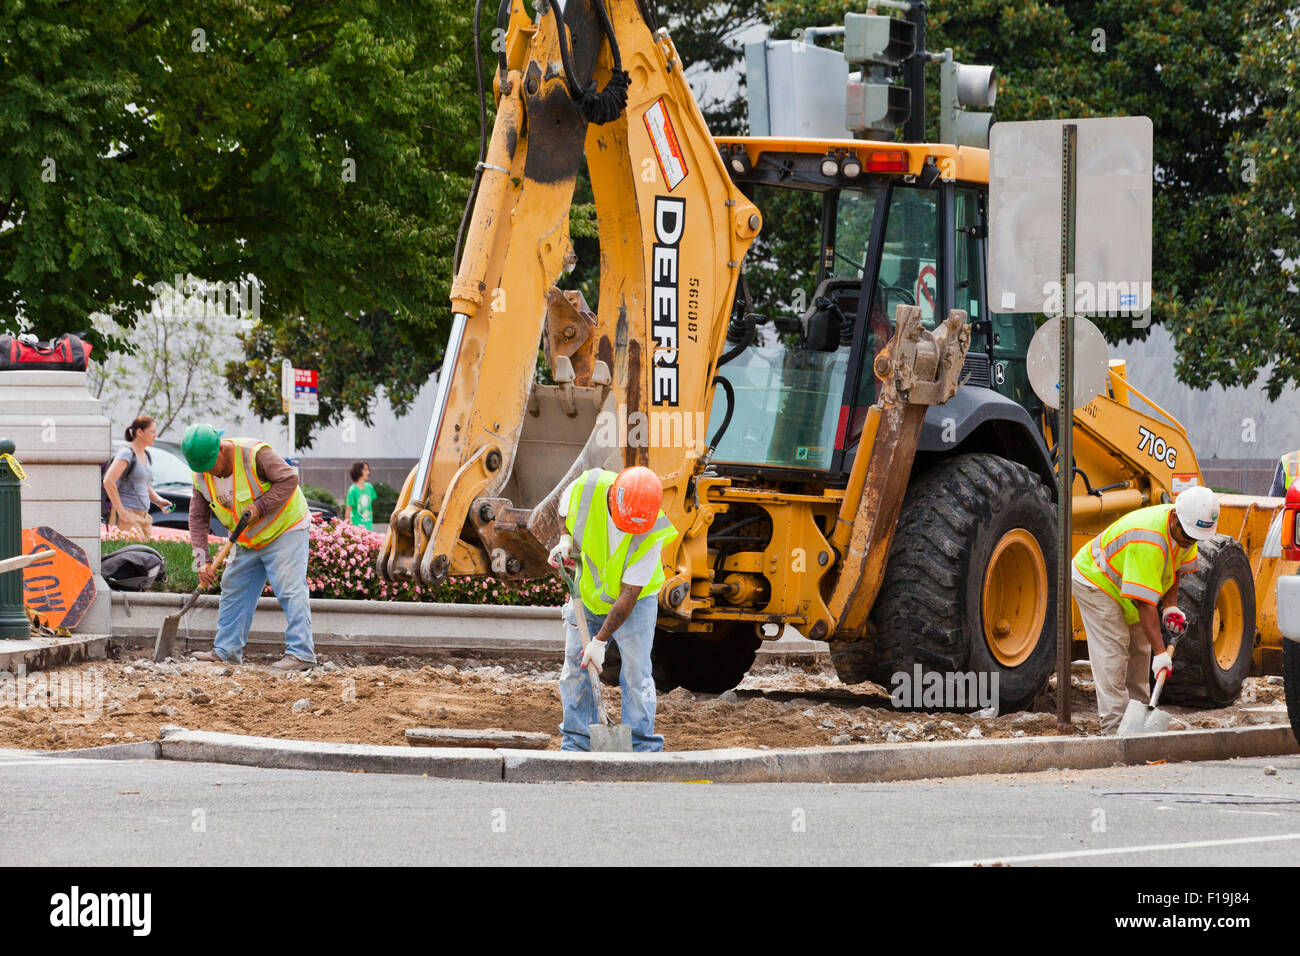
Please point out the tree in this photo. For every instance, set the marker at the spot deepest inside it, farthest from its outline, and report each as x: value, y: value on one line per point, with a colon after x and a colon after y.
x: 324, y: 149
x: 1219, y: 88
x: 1243, y: 320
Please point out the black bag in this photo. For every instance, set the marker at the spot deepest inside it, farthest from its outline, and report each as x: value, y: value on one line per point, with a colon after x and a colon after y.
x: 106, y: 506
x: 67, y: 353
x: 137, y: 567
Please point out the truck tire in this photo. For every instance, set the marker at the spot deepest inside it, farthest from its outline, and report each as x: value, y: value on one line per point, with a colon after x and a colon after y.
x: 1213, y: 658
x: 857, y: 661
x: 704, y: 663
x: 1291, y: 680
x: 970, y: 582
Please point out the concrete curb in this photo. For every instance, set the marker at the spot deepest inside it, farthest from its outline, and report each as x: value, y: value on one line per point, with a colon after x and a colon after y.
x: 42, y: 653
x: 388, y: 627
x: 863, y: 763
x: 462, y: 763
x: 142, y: 750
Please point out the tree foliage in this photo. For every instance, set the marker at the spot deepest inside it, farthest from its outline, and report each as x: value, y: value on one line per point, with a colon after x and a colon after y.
x: 1219, y: 87
x: 323, y: 147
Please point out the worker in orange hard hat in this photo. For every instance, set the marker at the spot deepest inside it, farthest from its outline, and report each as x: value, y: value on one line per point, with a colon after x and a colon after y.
x: 620, y: 531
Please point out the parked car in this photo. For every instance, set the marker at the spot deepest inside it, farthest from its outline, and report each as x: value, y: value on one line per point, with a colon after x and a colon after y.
x: 173, y: 480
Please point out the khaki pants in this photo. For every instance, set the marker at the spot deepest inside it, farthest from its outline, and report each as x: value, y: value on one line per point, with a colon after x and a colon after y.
x: 1120, y: 654
x: 130, y: 520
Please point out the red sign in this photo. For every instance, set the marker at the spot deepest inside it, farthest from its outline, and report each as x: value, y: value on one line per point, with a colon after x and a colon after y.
x: 58, y: 588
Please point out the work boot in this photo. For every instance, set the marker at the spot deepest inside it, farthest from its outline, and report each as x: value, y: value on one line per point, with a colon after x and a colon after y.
x: 291, y: 663
x: 209, y: 657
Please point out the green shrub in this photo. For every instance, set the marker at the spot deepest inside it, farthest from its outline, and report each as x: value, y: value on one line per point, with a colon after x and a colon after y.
x: 385, y: 501
x: 317, y: 493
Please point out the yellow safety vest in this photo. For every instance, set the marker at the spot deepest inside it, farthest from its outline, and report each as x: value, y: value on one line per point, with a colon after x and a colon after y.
x: 587, y: 521
x: 1135, y: 559
x: 1290, y: 469
x: 247, y: 487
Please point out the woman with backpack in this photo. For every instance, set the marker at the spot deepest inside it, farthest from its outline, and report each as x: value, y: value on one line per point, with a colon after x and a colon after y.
x: 128, y: 482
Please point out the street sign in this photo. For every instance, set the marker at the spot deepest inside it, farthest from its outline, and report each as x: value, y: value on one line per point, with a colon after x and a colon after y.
x: 58, y: 588
x: 1112, y: 268
x: 1091, y: 362
x: 305, y: 399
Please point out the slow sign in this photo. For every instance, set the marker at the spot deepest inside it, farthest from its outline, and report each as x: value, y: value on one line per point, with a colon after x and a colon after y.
x: 58, y: 588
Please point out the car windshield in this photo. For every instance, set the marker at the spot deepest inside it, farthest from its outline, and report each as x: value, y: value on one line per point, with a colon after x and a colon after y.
x: 789, y: 383
x: 169, y: 469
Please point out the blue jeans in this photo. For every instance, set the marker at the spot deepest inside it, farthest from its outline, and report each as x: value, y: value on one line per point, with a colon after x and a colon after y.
x: 635, y: 639
x: 284, y: 562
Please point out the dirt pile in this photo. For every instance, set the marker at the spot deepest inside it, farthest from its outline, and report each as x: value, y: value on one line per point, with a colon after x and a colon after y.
x: 131, y: 699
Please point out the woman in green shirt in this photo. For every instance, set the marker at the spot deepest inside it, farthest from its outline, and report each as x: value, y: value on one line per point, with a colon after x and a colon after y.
x: 361, y: 497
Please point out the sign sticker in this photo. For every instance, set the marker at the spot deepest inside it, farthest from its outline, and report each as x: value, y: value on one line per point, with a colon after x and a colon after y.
x: 1183, y: 482
x: 668, y: 150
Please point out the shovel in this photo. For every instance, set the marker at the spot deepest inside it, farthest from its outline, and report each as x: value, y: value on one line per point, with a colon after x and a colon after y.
x: 605, y: 737
x: 165, y: 646
x: 1140, y: 718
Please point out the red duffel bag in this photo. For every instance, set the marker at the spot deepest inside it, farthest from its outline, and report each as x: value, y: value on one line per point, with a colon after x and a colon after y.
x: 67, y: 353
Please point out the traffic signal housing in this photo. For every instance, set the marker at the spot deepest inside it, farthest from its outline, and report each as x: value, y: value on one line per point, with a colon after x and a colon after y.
x: 963, y: 85
x: 875, y: 46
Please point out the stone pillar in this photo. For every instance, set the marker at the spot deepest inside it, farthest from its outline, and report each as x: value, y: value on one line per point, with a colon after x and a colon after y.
x: 62, y: 438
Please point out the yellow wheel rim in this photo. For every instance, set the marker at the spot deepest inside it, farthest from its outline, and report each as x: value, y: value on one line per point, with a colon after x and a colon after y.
x: 1228, y: 624
x: 1015, y: 597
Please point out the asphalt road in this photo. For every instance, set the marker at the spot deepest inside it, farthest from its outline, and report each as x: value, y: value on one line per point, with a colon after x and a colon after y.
x: 67, y: 811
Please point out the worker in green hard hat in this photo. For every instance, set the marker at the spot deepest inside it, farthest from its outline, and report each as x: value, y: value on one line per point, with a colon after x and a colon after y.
x: 232, y: 477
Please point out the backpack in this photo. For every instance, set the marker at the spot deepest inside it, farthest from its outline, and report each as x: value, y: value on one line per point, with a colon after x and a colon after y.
x: 137, y: 567
x: 106, y: 506
x: 67, y: 353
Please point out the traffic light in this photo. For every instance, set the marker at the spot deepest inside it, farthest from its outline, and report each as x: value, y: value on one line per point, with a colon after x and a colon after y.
x: 962, y: 85
x: 876, y: 46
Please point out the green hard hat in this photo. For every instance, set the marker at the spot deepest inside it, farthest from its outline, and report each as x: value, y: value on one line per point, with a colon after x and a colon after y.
x: 201, y: 446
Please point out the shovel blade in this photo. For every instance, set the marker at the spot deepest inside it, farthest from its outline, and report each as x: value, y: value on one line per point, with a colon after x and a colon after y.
x: 165, y: 646
x: 1140, y: 718
x: 610, y: 738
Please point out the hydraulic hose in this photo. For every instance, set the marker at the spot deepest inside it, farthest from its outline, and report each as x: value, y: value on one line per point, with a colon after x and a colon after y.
x: 603, y: 106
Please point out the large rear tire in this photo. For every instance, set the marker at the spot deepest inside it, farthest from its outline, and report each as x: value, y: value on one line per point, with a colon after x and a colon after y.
x: 1213, y: 658
x: 970, y: 583
x: 704, y: 663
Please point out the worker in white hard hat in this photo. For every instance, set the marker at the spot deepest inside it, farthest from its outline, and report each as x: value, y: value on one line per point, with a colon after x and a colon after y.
x: 1125, y: 583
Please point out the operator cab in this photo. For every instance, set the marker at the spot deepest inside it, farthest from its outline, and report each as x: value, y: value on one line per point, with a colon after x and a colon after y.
x: 896, y: 232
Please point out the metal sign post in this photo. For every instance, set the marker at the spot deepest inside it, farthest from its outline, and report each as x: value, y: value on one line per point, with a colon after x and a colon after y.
x: 1069, y: 224
x: 286, y: 393
x: 1065, y: 434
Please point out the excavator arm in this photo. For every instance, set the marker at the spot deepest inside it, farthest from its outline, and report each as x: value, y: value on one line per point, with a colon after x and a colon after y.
x: 673, y: 231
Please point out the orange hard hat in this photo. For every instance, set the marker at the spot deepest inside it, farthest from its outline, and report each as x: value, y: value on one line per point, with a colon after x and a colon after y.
x: 634, y: 499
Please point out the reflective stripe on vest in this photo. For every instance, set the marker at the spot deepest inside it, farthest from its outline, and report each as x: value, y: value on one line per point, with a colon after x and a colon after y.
x: 1290, y: 469
x: 246, y: 487
x: 588, y: 522
x: 1147, y: 526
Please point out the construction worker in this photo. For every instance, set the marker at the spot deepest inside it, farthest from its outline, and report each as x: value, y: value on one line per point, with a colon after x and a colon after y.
x: 237, y: 476
x: 1121, y: 581
x: 1288, y: 470
x: 620, y: 530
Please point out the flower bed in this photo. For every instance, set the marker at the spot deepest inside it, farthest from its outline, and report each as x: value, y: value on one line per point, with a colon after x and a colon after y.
x: 341, y: 564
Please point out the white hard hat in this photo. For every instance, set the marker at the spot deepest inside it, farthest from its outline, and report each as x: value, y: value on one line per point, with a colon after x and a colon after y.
x: 1198, y: 512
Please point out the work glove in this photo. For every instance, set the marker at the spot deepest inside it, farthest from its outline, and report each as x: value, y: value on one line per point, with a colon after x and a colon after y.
x: 1163, y: 662
x: 594, y: 654
x: 561, y: 552
x: 1174, y: 621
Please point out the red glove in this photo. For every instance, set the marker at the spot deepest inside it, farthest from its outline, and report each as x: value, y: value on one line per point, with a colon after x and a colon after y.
x: 1174, y: 621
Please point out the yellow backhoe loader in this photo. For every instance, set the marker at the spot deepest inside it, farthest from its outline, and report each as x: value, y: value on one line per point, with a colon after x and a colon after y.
x: 873, y: 471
